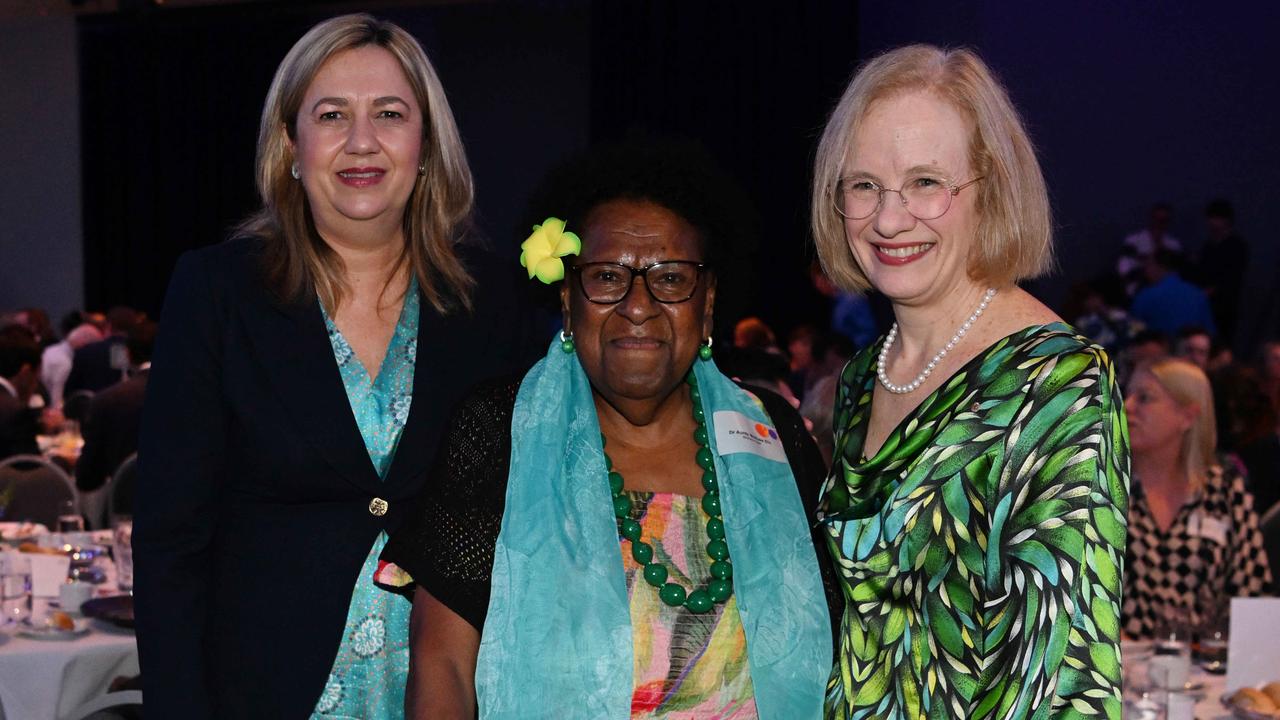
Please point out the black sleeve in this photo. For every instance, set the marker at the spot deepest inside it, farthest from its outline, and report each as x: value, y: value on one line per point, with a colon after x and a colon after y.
x: 182, y: 448
x: 18, y: 429
x: 447, y: 543
x: 75, y: 378
x: 91, y: 469
x: 809, y: 470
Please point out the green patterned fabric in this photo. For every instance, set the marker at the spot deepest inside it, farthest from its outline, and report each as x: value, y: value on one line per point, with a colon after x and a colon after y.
x: 981, y: 549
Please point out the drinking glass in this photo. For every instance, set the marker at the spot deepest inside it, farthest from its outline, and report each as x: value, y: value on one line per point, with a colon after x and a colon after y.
x: 122, y: 552
x: 1215, y: 618
x: 69, y: 520
x: 1145, y: 693
x: 1172, y: 648
x: 15, y: 588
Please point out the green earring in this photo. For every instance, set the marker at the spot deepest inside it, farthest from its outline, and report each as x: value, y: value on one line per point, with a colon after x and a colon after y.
x: 566, y: 342
x: 704, y: 350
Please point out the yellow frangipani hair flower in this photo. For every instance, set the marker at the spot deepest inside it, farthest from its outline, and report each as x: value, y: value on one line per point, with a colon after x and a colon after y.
x: 540, y: 254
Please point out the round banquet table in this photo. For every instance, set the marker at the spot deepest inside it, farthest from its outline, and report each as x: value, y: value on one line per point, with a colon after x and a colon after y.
x: 1204, y: 702
x: 47, y: 679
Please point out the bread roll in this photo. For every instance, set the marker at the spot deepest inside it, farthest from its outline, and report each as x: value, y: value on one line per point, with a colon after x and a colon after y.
x: 1253, y: 699
x: 61, y: 621
x: 1272, y: 690
x: 30, y: 547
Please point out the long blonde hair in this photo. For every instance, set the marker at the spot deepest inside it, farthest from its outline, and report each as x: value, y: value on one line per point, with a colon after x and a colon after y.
x: 297, y: 259
x: 1188, y: 385
x: 1015, y: 228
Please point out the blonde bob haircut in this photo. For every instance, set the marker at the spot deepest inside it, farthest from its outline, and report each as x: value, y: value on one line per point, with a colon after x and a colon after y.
x: 1014, y: 235
x: 297, y: 260
x: 1188, y: 386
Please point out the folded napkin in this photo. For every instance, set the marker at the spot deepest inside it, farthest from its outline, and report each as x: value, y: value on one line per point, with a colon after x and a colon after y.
x: 13, y: 563
x: 48, y: 573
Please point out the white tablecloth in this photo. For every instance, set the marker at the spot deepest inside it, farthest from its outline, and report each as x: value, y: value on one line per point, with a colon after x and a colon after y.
x: 45, y: 679
x: 1209, y: 705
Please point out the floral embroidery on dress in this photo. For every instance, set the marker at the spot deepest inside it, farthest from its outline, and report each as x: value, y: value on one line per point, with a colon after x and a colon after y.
x: 370, y: 637
x: 341, y: 350
x: 332, y: 695
x: 400, y: 407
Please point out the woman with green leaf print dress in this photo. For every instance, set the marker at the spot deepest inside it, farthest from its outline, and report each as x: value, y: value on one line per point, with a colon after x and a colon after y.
x: 977, y: 500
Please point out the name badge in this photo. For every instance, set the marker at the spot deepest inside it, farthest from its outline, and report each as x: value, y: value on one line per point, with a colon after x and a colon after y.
x: 1208, y: 528
x: 737, y: 433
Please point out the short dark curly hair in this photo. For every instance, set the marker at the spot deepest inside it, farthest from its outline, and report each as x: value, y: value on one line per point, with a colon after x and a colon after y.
x: 679, y: 175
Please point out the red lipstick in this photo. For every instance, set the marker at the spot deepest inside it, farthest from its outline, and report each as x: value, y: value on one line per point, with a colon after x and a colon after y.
x: 360, y: 177
x: 900, y: 253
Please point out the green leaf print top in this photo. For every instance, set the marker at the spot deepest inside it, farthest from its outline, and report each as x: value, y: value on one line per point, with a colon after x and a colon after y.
x: 981, y: 550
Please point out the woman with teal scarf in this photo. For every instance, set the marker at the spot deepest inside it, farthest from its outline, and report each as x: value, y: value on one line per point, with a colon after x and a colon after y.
x: 624, y: 532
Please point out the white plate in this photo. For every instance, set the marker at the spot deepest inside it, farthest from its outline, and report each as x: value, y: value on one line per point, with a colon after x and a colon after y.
x: 44, y: 632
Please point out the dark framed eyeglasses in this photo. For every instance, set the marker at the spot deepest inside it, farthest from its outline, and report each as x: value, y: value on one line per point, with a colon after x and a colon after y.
x: 669, y: 281
x: 925, y: 197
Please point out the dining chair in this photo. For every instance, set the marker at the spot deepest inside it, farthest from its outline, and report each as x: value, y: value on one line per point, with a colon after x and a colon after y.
x: 36, y: 489
x: 120, y: 489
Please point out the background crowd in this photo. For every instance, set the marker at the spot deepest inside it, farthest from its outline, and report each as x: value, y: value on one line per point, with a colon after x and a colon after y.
x: 88, y: 379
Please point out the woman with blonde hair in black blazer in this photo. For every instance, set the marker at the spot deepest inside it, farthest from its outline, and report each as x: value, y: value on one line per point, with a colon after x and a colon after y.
x: 291, y: 361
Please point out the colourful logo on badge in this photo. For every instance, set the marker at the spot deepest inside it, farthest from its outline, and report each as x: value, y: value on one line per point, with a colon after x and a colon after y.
x: 765, y: 431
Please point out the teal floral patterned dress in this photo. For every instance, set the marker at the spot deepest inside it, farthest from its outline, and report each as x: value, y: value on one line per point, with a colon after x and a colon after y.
x: 369, y: 674
x: 981, y: 549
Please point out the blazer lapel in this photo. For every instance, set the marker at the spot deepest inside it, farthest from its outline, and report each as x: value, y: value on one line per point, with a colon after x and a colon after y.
x: 294, y: 352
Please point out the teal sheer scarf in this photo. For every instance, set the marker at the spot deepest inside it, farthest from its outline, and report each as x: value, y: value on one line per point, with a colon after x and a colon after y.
x: 557, y: 639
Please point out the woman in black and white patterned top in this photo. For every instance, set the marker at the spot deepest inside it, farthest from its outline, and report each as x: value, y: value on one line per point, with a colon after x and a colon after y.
x: 1193, y: 531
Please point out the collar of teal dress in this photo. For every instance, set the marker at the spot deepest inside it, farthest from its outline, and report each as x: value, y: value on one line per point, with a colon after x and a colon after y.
x: 557, y: 637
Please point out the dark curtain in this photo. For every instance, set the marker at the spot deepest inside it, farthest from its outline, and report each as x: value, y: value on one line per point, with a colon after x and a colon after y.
x: 754, y: 84
x: 170, y: 102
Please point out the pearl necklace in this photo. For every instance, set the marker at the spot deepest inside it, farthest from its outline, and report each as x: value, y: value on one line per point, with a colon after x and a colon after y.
x: 924, y: 374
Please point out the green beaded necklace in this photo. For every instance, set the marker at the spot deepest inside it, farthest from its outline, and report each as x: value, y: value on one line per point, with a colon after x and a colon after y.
x: 720, y: 588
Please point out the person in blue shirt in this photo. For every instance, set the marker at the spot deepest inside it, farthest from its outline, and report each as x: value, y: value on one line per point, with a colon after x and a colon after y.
x: 1168, y: 303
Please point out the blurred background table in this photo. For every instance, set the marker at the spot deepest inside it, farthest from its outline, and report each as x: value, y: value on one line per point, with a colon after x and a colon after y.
x: 1206, y: 689
x: 46, y: 679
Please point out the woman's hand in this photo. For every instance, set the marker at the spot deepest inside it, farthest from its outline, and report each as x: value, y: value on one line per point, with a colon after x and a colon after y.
x: 442, y: 662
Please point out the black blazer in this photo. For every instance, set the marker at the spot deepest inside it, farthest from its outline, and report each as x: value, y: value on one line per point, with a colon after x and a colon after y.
x: 18, y: 427
x: 254, y: 508
x: 91, y: 367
